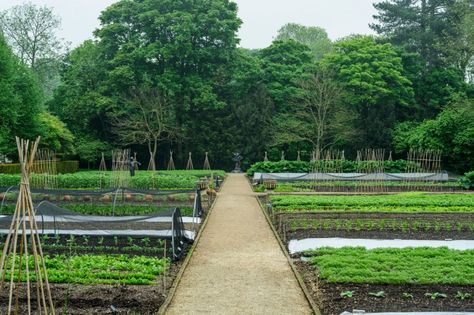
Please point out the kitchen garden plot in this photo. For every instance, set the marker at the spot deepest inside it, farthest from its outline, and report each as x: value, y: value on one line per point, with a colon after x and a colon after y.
x: 97, y: 240
x: 385, y: 279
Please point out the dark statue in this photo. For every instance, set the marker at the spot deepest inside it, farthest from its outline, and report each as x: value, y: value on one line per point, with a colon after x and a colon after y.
x: 237, y: 159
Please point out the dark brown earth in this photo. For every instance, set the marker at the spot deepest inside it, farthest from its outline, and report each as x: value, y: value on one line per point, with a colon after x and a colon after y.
x: 328, y: 296
x: 104, y: 299
x: 380, y: 234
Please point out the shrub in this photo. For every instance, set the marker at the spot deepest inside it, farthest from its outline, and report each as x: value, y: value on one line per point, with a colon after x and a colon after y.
x: 62, y: 167
x: 467, y: 180
x: 344, y: 166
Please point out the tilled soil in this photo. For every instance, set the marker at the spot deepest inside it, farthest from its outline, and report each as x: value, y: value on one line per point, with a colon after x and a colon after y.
x: 101, y: 299
x: 380, y: 234
x: 328, y: 296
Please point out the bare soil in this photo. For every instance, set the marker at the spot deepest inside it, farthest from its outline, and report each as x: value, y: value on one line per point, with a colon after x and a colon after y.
x: 102, y: 299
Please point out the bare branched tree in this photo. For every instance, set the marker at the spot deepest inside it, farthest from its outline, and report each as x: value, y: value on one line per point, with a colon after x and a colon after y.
x: 31, y: 31
x: 148, y: 119
x: 318, y: 117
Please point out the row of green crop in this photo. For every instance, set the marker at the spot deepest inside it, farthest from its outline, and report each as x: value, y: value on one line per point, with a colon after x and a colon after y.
x: 381, y: 225
x: 98, y: 269
x: 310, y: 186
x: 428, y: 266
x: 404, y: 202
x: 97, y: 180
x: 119, y: 210
x: 335, y: 166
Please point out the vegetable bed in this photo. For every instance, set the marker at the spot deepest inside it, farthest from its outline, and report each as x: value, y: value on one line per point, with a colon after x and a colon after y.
x: 404, y: 202
x: 385, y: 280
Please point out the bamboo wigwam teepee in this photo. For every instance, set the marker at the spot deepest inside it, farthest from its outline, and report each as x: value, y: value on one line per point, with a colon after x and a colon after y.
x: 207, y: 165
x: 170, y: 166
x: 22, y: 238
x: 189, y: 165
x: 102, y: 166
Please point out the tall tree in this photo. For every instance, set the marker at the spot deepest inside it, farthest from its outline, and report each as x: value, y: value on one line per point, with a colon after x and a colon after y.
x: 284, y: 63
x: 30, y: 30
x: 316, y: 38
x: 20, y: 99
x: 147, y: 119
x: 178, y: 45
x: 372, y: 75
x: 438, y: 31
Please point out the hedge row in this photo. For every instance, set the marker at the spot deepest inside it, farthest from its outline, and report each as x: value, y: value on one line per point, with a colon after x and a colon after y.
x: 62, y: 167
x: 345, y: 166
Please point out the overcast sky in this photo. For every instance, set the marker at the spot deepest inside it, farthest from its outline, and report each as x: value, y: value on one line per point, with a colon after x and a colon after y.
x: 261, y: 18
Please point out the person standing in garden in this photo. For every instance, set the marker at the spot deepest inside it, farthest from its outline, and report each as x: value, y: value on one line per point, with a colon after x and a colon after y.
x: 133, y: 165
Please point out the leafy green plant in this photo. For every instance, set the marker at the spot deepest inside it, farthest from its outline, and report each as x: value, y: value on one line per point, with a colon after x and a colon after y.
x: 462, y: 296
x: 436, y: 295
x: 407, y: 295
x: 347, y: 294
x: 379, y: 294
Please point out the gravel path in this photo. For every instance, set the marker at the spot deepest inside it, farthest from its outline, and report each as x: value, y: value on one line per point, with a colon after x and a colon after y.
x: 238, y: 266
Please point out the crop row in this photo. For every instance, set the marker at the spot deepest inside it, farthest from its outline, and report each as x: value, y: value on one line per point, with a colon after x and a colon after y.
x: 142, y: 180
x: 310, y: 186
x: 380, y: 224
x: 120, y: 210
x: 429, y: 266
x: 99, y: 269
x: 404, y: 202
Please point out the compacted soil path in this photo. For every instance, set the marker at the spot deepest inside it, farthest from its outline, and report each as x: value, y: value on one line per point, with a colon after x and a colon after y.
x: 238, y: 266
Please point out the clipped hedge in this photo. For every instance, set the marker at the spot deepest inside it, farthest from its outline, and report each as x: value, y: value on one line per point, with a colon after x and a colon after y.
x: 62, y: 167
x: 345, y: 166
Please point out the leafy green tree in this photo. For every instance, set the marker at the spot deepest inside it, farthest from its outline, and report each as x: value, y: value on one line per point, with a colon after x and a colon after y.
x: 31, y: 32
x: 372, y: 75
x: 20, y: 99
x: 54, y: 133
x: 80, y: 100
x: 452, y: 132
x: 316, y: 38
x: 284, y: 64
x: 439, y: 32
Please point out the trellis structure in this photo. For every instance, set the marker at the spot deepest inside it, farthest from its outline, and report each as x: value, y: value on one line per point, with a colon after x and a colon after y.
x: 170, y: 166
x: 120, y: 168
x: 207, y: 165
x: 43, y: 170
x: 22, y: 237
x: 189, y: 165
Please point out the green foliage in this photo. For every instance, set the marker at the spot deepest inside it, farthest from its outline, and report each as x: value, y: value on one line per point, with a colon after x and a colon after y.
x: 451, y: 131
x: 284, y: 64
x: 62, y: 167
x: 468, y: 180
x: 344, y: 166
x: 347, y: 294
x: 394, y: 266
x: 436, y: 295
x: 20, y: 100
x: 100, y: 269
x: 54, y: 133
x: 378, y: 91
x: 462, y: 296
x: 405, y: 202
x: 280, y: 167
x: 315, y: 38
x: 142, y: 179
